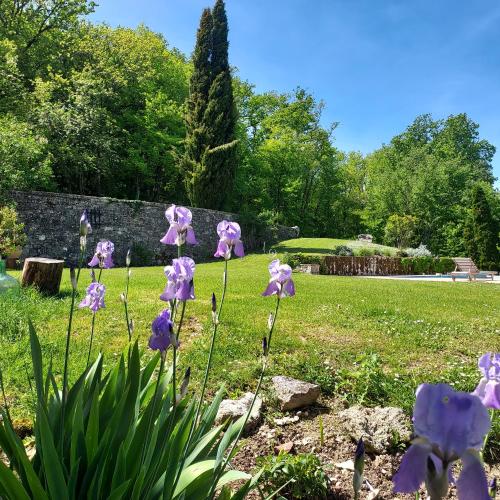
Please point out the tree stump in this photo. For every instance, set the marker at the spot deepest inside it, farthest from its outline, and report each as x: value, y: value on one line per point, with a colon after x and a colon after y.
x: 44, y: 274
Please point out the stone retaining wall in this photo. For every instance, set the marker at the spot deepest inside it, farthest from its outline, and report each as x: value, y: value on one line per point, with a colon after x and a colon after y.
x: 52, y: 220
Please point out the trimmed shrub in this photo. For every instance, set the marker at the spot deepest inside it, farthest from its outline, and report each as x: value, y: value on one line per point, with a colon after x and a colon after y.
x: 427, y: 265
x: 407, y: 263
x: 364, y: 252
x: 420, y: 251
x: 423, y: 265
x: 444, y: 265
x: 343, y: 250
x: 296, y: 259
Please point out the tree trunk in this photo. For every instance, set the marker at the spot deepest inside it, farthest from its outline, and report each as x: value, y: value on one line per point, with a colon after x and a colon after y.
x: 44, y: 274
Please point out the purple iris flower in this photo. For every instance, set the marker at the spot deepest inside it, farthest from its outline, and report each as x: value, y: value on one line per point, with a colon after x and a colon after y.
x: 94, y: 299
x: 162, y: 336
x: 229, y: 239
x: 180, y: 230
x: 102, y: 256
x: 281, y: 280
x: 85, y: 227
x: 450, y: 426
x: 179, y: 280
x: 488, y: 389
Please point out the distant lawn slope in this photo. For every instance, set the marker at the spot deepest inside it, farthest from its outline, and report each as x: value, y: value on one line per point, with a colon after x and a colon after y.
x: 325, y: 245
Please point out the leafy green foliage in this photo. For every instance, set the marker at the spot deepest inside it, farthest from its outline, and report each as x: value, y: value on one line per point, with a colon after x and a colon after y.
x: 343, y: 250
x: 289, y: 165
x: 365, y: 383
x: 24, y: 161
x: 428, y: 265
x: 444, y: 265
x: 114, y: 120
x: 482, y: 232
x: 116, y: 434
x: 39, y: 30
x: 426, y: 172
x: 296, y: 476
x: 294, y: 260
x: 400, y: 230
x: 199, y: 86
x: 11, y: 231
x: 12, y: 91
x: 365, y: 252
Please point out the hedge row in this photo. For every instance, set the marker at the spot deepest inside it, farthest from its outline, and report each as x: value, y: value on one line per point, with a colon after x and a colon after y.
x: 428, y: 265
x: 410, y: 265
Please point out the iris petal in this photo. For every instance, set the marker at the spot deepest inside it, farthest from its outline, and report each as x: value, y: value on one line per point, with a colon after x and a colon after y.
x: 169, y: 238
x: 491, y: 397
x: 271, y: 289
x: 190, y: 237
x: 411, y: 473
x: 472, y: 483
x: 454, y: 421
x: 238, y: 248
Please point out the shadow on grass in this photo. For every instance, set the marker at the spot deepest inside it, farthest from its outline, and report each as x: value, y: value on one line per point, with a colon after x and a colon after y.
x: 64, y: 294
x: 326, y: 251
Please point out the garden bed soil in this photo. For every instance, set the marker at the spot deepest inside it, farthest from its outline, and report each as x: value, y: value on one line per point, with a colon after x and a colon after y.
x: 336, y: 449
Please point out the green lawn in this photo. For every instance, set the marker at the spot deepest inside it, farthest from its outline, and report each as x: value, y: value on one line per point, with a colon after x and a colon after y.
x: 326, y: 245
x: 364, y: 339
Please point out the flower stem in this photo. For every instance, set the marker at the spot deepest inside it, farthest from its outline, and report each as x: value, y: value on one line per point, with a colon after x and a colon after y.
x: 68, y: 337
x: 486, y: 438
x: 249, y: 412
x: 174, y: 363
x: 210, y: 353
x: 93, y: 324
x: 174, y: 354
x: 125, y: 303
x: 91, y: 338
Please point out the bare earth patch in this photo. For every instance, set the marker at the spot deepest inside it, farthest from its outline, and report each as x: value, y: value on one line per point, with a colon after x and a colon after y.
x: 336, y: 449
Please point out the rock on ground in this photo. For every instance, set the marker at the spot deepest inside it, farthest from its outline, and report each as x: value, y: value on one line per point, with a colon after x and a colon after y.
x: 233, y: 409
x: 380, y: 428
x: 292, y: 393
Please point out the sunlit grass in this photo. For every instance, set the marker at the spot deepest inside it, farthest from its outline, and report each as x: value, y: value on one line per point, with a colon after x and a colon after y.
x: 419, y: 331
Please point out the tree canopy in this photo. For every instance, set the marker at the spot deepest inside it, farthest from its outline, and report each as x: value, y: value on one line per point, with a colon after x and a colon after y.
x: 90, y: 109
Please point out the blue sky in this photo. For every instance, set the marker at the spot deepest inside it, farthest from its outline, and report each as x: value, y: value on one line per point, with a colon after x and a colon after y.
x: 377, y: 64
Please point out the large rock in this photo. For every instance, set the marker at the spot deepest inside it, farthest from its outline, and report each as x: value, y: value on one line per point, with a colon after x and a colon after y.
x: 233, y: 409
x: 380, y: 428
x: 292, y: 393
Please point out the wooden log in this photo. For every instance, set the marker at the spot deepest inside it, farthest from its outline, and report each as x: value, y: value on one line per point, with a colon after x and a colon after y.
x: 44, y: 274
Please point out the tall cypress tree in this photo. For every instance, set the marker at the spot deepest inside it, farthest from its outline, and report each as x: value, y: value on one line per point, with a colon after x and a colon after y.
x: 211, y: 175
x: 481, y: 235
x: 201, y: 80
